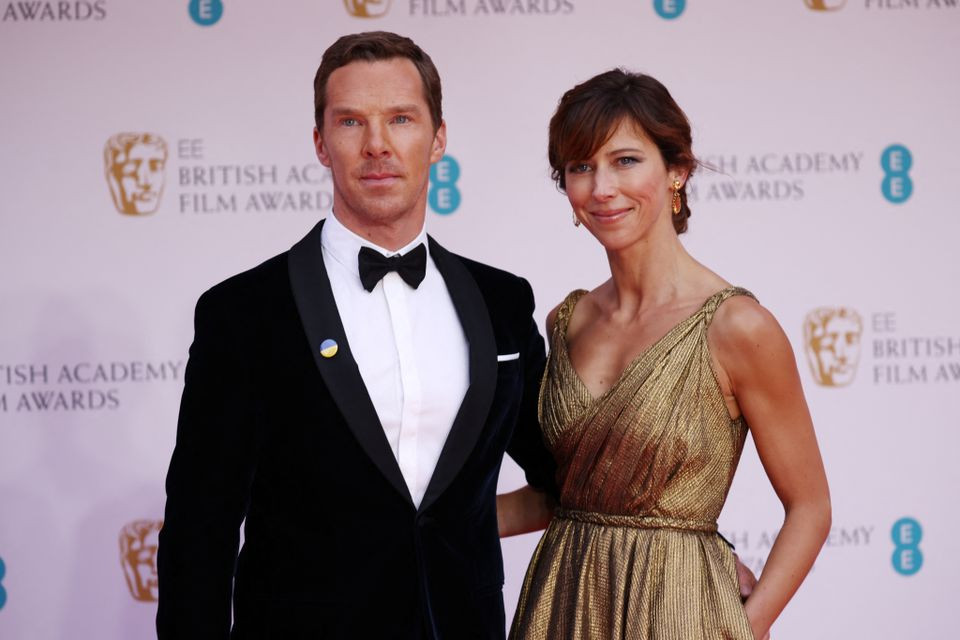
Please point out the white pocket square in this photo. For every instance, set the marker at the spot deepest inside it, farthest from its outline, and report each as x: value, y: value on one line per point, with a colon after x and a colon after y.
x: 506, y: 357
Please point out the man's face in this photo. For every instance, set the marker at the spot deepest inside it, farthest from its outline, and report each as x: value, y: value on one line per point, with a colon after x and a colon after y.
x: 139, y: 174
x: 837, y: 349
x: 378, y: 141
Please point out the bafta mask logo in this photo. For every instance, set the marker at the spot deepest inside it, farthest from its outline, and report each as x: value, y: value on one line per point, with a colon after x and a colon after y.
x: 367, y: 8
x: 138, y: 555
x: 134, y: 164
x: 825, y: 5
x: 832, y: 337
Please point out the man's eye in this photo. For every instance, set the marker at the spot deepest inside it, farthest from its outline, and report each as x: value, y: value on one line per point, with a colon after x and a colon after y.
x: 349, y: 122
x: 401, y: 119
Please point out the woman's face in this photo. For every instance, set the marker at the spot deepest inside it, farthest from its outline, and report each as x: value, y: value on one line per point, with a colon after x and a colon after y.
x: 624, y: 190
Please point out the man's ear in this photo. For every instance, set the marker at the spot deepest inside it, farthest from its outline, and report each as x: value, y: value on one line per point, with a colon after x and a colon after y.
x: 439, y: 143
x: 320, y: 148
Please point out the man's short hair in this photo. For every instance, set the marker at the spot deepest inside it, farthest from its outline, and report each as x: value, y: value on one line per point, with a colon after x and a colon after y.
x: 372, y: 46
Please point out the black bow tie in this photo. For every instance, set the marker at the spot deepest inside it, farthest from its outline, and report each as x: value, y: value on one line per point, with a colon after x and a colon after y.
x: 411, y: 266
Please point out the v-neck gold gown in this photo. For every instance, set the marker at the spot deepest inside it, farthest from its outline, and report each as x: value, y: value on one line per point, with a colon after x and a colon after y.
x: 632, y: 551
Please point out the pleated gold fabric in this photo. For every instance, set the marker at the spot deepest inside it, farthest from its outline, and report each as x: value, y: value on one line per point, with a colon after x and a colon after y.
x: 644, y: 470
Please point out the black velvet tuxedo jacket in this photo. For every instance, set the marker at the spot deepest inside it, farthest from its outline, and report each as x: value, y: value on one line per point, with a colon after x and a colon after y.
x: 274, y: 435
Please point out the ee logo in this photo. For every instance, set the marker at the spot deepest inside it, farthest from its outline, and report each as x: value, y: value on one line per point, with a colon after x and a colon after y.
x: 206, y: 12
x: 444, y: 196
x: 3, y: 592
x: 896, y: 162
x: 669, y: 9
x: 907, y: 557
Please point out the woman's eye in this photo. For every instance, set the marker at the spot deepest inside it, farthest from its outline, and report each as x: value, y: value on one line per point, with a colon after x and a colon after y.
x: 626, y: 161
x: 580, y: 167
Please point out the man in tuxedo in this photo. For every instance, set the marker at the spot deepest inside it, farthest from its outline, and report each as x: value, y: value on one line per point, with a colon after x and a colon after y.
x: 350, y: 400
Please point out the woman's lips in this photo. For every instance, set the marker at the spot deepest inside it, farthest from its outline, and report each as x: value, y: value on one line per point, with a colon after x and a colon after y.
x: 609, y: 215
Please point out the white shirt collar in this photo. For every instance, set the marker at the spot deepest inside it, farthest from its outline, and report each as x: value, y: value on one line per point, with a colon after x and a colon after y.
x: 344, y: 245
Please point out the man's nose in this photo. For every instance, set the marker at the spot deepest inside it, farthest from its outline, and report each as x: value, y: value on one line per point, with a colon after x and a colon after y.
x: 376, y: 142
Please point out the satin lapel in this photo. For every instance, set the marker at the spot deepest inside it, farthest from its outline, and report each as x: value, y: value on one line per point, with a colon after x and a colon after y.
x: 321, y: 320
x: 475, y: 319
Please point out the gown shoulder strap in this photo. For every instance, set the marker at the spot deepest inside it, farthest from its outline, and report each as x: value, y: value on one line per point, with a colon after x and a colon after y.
x: 714, y: 302
x: 565, y: 311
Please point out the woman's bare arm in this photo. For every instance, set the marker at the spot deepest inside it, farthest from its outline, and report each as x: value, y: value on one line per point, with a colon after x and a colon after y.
x: 758, y: 362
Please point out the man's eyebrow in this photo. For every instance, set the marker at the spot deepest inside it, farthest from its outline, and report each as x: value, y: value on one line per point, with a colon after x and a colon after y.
x: 349, y: 111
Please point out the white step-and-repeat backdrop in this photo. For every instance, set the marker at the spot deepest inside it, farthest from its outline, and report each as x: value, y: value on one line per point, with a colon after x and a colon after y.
x: 151, y: 149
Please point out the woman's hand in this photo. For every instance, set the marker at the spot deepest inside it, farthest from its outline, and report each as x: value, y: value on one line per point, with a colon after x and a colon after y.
x: 747, y: 582
x: 745, y: 578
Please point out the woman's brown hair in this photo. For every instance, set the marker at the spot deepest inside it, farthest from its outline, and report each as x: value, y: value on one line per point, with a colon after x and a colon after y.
x: 588, y: 114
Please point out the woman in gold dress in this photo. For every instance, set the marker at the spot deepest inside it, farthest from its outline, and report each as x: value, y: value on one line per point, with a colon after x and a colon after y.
x: 653, y: 380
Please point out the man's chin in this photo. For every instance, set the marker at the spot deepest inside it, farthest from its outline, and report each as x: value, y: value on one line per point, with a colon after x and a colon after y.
x: 384, y: 208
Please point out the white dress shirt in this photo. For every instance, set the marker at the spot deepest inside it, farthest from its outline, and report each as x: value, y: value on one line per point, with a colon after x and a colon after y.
x: 409, y: 346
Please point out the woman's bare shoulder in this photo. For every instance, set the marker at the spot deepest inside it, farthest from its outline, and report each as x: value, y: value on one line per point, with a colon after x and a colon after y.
x: 586, y: 304
x: 743, y: 329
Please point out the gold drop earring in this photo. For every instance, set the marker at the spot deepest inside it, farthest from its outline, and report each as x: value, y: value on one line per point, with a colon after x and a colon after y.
x: 677, y: 202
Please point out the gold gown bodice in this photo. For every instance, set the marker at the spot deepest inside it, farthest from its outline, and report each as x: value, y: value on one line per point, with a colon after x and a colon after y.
x: 643, y: 471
